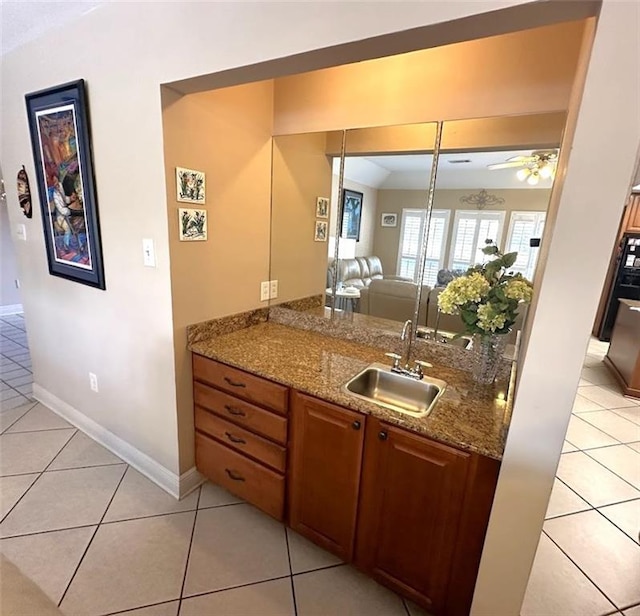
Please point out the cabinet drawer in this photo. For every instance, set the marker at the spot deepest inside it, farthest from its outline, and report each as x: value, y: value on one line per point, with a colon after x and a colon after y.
x: 249, y: 480
x: 241, y: 384
x: 242, y: 440
x: 241, y: 413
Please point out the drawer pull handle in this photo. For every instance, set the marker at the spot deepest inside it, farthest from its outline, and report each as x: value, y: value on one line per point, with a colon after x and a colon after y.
x: 382, y: 435
x: 234, y: 475
x: 233, y: 383
x: 356, y: 425
x: 234, y: 411
x: 235, y: 439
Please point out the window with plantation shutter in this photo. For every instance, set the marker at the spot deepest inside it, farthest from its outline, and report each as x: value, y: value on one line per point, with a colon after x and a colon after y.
x: 471, y: 229
x: 411, y: 234
x: 522, y: 227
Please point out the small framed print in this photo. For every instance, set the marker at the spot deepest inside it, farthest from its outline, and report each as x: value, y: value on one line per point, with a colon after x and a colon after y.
x: 193, y: 225
x: 389, y: 220
x: 190, y: 186
x: 322, y: 207
x: 321, y: 231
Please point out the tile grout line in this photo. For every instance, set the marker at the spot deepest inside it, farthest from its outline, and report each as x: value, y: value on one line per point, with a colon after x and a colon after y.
x: 612, y: 471
x: 142, y: 607
x: 19, y: 418
x: 213, y: 592
x: 75, y: 431
x: 70, y: 427
x: 618, y: 527
x: 186, y: 564
x: 582, y: 571
x: 406, y: 607
x: 293, y: 587
x: 40, y: 473
x: 95, y: 532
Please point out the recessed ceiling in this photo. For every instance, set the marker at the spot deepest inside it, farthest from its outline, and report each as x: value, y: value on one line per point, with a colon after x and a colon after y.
x: 413, y: 171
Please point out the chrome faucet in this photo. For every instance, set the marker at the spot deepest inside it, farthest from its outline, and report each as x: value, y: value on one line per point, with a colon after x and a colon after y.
x: 401, y: 362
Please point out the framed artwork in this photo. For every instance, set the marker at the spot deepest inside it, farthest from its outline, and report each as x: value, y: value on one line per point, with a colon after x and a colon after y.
x: 193, y: 225
x: 389, y: 220
x: 351, y: 214
x: 61, y: 142
x: 190, y: 186
x: 24, y: 192
x: 322, y: 207
x: 321, y: 231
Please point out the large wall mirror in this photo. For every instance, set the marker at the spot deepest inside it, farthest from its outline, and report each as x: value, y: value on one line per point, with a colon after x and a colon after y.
x: 349, y: 214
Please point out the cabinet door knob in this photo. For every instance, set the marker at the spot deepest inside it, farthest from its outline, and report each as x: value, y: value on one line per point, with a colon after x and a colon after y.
x: 356, y: 425
x: 382, y: 435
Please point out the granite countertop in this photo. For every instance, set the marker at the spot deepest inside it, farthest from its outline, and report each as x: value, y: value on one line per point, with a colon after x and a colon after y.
x: 469, y: 416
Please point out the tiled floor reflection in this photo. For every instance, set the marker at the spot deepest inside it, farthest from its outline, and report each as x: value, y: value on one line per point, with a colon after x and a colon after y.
x: 16, y: 379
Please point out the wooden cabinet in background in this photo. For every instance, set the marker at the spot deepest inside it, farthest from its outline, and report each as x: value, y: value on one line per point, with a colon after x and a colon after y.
x: 326, y: 459
x: 632, y: 215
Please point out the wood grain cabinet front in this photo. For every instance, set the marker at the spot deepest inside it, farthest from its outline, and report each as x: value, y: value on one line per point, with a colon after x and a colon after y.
x: 326, y: 458
x: 411, y: 518
x: 241, y: 433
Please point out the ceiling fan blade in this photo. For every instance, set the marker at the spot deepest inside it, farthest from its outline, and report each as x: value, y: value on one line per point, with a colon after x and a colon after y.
x: 515, y: 163
x: 520, y: 158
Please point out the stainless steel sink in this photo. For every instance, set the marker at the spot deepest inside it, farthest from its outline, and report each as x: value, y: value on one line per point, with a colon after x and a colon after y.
x: 378, y: 384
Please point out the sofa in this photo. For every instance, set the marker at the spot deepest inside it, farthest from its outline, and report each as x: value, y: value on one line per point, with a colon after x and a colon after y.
x: 358, y: 272
x: 393, y: 299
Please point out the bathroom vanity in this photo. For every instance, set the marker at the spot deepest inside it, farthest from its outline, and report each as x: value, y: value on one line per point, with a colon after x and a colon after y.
x: 405, y: 499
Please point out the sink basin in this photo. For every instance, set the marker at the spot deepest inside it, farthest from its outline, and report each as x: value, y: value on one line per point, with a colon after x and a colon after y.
x: 378, y: 384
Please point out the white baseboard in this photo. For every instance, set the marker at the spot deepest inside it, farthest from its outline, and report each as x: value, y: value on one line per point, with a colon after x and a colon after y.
x: 177, y: 486
x: 5, y: 311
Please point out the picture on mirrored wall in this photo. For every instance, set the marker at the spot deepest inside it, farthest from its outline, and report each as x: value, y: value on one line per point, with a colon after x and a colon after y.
x: 59, y: 127
x: 190, y: 186
x: 351, y: 214
x: 193, y: 225
x: 322, y: 207
x: 321, y: 231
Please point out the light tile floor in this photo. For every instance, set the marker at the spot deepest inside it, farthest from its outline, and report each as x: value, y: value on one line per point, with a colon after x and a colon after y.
x: 99, y: 538
x: 15, y: 363
x: 588, y: 559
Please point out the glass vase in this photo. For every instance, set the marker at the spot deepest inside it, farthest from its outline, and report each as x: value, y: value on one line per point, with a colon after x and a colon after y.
x: 488, y: 350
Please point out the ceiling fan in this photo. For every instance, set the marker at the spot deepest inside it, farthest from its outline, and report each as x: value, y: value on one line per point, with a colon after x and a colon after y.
x: 540, y: 164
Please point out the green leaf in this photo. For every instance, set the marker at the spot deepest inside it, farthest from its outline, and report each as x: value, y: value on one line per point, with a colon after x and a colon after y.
x: 509, y: 259
x: 469, y: 317
x: 490, y: 250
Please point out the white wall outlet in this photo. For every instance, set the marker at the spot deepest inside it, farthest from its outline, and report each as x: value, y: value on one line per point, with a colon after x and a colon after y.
x: 273, y: 292
x: 21, y: 232
x: 264, y: 291
x: 148, y: 253
x: 93, y: 381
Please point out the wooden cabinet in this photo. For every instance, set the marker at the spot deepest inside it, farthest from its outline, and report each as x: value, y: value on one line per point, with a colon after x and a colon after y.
x: 411, y: 524
x: 326, y: 458
x: 632, y: 215
x: 241, y: 433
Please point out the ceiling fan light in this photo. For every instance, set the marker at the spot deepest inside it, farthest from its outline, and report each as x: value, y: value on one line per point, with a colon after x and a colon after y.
x: 546, y: 171
x: 523, y: 174
x: 534, y: 178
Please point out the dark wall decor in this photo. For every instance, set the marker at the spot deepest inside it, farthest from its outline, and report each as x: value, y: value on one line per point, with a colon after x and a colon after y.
x: 60, y: 138
x: 481, y: 200
x: 351, y: 214
x: 24, y: 192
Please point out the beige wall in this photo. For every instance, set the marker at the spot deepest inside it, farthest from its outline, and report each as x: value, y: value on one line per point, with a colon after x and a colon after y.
x: 301, y: 173
x: 386, y: 239
x: 531, y: 72
x: 227, y: 134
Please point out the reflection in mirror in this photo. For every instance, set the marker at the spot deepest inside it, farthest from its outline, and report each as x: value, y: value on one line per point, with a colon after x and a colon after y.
x: 300, y: 218
x: 382, y: 205
x: 494, y: 181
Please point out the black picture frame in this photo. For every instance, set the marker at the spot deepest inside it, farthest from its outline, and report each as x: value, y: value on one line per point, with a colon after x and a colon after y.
x: 61, y: 142
x: 351, y: 209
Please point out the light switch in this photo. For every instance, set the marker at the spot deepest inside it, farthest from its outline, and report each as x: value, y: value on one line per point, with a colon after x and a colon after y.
x: 148, y: 253
x: 21, y: 232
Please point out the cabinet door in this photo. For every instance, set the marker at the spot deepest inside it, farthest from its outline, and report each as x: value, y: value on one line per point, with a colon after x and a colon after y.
x: 410, y: 510
x: 633, y: 224
x: 326, y: 458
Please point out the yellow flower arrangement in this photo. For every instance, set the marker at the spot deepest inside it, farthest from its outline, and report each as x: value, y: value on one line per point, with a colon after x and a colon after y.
x: 487, y: 297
